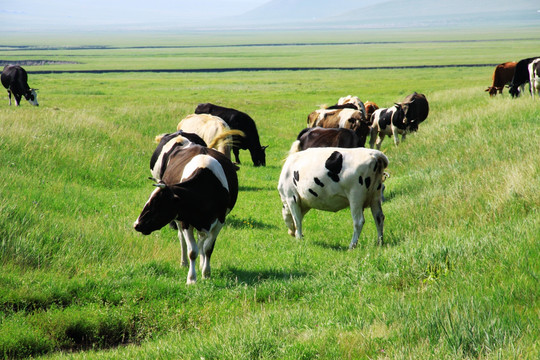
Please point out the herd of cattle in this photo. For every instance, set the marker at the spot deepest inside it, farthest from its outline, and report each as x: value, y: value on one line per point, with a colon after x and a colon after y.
x: 516, y: 75
x: 327, y: 168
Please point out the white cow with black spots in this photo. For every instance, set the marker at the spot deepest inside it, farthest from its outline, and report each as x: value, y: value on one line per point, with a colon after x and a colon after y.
x: 332, y: 179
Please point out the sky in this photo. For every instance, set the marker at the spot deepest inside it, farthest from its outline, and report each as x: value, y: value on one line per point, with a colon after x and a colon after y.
x: 51, y: 15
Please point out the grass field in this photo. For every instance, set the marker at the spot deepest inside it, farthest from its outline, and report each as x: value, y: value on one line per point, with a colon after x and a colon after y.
x: 457, y: 278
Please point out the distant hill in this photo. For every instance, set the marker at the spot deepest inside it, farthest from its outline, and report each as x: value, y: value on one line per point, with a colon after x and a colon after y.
x: 393, y: 13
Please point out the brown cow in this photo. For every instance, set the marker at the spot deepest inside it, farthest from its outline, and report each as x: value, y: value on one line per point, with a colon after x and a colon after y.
x: 370, y: 109
x: 321, y: 137
x: 502, y: 76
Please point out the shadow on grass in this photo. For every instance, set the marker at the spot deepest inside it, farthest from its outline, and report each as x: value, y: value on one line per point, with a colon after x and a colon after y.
x: 390, y: 240
x: 247, y: 223
x: 242, y: 276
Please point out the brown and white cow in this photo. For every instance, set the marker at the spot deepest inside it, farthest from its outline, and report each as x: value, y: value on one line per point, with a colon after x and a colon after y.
x: 197, y: 190
x: 502, y: 76
x: 322, y: 137
x: 341, y: 118
x: 534, y: 74
x: 331, y: 179
x: 212, y: 129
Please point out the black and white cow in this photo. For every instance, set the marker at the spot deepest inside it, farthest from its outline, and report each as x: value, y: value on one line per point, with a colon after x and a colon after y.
x: 238, y: 120
x: 199, y: 187
x: 15, y: 80
x: 521, y: 77
x: 534, y: 76
x: 387, y: 122
x: 332, y: 179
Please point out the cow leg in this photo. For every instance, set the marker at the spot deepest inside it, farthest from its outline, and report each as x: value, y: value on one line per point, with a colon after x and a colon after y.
x: 378, y: 216
x: 193, y: 252
x: 357, y: 212
x: 372, y: 136
x: 183, y: 245
x: 297, y: 216
x: 207, y: 248
x: 9, y: 96
x: 236, y: 152
x: 17, y: 99
x: 396, y: 135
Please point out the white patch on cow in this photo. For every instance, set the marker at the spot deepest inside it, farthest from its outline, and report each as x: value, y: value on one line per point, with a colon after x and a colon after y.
x: 344, y: 116
x: 156, y: 171
x: 152, y: 195
x: 34, y: 94
x: 206, y: 161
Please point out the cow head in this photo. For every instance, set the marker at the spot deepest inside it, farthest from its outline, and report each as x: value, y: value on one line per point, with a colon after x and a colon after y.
x: 31, y: 96
x: 515, y: 91
x: 259, y: 156
x: 159, y: 210
x: 409, y: 115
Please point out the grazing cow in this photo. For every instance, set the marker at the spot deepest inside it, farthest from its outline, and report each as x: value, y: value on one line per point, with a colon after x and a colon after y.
x: 521, y: 77
x: 198, y: 189
x: 332, y: 179
x: 534, y: 75
x: 238, y: 120
x: 15, y: 80
x: 321, y: 137
x: 341, y: 118
x: 212, y: 129
x: 370, y: 109
x: 167, y: 143
x: 502, y: 76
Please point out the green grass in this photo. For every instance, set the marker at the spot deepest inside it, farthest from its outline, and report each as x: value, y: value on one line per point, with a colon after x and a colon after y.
x: 458, y: 278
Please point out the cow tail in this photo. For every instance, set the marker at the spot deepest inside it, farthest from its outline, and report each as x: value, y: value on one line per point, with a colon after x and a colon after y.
x: 226, y: 137
x: 295, y: 147
x: 382, y: 163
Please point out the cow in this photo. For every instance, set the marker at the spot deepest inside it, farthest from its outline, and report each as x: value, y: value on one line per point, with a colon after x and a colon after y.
x: 322, y: 137
x: 502, y: 76
x: 387, y: 122
x: 416, y: 108
x: 331, y: 179
x: 238, y: 120
x: 341, y: 118
x: 534, y: 76
x: 370, y: 109
x: 521, y: 77
x: 198, y: 189
x: 212, y: 129
x: 15, y: 80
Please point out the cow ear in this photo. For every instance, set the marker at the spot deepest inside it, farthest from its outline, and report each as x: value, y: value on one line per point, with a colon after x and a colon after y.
x: 264, y: 147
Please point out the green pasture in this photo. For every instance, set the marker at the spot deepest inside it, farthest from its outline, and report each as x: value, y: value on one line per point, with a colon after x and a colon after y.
x: 458, y: 276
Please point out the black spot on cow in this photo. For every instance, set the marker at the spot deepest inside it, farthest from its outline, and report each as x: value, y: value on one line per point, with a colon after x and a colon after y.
x: 296, y: 176
x: 376, y: 165
x: 360, y: 180
x: 294, y: 198
x: 379, y: 187
x: 334, y: 164
x: 313, y: 193
x: 318, y: 182
x: 368, y: 182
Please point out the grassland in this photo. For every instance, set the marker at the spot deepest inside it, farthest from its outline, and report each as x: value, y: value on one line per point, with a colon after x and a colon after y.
x: 458, y: 278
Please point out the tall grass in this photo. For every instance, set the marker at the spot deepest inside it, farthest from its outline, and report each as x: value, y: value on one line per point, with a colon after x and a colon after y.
x: 458, y: 277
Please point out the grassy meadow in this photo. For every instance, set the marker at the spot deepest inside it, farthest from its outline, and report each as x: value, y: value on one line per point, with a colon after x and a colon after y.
x: 458, y: 276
